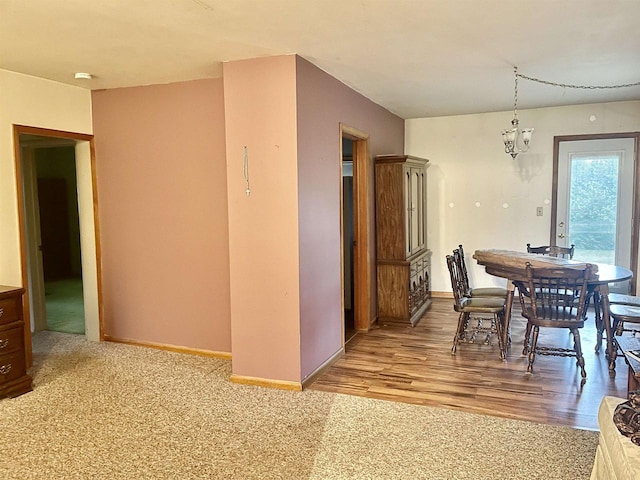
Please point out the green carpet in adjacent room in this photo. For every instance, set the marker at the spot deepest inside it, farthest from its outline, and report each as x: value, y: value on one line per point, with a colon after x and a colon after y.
x: 65, y: 306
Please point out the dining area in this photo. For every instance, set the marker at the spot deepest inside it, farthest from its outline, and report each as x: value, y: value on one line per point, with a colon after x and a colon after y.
x: 553, y: 291
x: 415, y: 364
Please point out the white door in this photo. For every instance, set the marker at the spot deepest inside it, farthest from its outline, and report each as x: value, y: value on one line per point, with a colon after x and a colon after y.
x: 595, y: 199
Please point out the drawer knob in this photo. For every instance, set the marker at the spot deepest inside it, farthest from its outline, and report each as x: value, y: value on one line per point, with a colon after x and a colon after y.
x: 4, y: 342
x: 5, y: 369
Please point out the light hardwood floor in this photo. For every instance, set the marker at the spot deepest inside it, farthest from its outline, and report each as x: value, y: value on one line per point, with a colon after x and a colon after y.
x: 415, y: 365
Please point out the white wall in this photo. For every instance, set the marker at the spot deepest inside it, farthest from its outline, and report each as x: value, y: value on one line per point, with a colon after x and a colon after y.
x: 26, y: 100
x: 469, y: 167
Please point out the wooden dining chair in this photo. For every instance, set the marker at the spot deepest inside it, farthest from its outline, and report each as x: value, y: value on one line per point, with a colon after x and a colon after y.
x: 556, y: 299
x: 458, y: 255
x: 561, y: 252
x: 621, y: 316
x: 552, y: 250
x: 481, y: 310
x: 624, y: 309
x: 620, y: 299
x: 622, y: 312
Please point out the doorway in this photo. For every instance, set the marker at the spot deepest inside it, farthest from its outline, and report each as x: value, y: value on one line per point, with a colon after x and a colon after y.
x: 59, y: 239
x: 358, y: 285
x: 594, y: 201
x: 59, y: 249
x: 348, y: 239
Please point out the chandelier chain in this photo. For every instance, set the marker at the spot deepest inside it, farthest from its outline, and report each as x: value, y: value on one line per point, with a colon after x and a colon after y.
x: 569, y: 85
x: 515, y: 94
x: 517, y: 140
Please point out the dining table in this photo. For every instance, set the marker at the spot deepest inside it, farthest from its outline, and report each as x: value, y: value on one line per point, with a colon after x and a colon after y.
x: 512, y: 266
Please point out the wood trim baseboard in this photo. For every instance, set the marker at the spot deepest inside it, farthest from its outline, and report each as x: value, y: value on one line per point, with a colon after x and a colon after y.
x: 442, y: 294
x: 266, y: 382
x: 170, y: 348
x: 312, y: 377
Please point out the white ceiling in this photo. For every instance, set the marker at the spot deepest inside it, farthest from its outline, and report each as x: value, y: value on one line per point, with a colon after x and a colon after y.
x: 417, y: 58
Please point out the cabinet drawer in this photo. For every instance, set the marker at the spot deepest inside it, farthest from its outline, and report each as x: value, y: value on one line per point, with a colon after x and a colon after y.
x: 10, y: 310
x: 11, y: 340
x: 12, y: 366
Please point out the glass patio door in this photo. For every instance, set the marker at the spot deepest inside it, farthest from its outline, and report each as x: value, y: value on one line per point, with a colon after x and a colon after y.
x: 595, y: 199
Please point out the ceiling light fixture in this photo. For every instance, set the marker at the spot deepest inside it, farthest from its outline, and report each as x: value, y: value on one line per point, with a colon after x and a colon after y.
x: 83, y: 76
x: 516, y: 140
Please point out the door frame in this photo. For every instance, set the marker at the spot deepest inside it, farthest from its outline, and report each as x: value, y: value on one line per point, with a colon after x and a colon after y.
x: 635, y: 209
x: 33, y: 238
x: 87, y: 189
x: 363, y: 298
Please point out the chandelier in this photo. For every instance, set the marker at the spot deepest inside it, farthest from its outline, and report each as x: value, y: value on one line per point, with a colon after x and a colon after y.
x: 516, y: 140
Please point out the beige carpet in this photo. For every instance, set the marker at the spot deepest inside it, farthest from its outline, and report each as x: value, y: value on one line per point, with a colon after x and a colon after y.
x: 111, y: 411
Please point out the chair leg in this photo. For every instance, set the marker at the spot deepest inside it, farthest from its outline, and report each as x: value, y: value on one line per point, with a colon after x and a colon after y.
x: 499, y: 319
x: 463, y: 320
x: 577, y: 346
x: 492, y: 328
x: 532, y: 348
x: 527, y: 336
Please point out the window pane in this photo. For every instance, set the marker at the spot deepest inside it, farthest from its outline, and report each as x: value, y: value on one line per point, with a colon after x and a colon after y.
x: 593, y: 196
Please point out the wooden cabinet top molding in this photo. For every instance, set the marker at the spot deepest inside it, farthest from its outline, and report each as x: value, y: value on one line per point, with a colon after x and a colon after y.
x: 393, y: 158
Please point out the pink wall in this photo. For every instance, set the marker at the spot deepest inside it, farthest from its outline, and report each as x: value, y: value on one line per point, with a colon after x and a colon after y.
x: 160, y: 167
x: 323, y: 103
x: 264, y: 285
x: 260, y: 113
x: 285, y: 238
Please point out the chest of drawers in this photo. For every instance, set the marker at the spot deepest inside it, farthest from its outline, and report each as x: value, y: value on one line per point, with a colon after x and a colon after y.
x: 14, y: 380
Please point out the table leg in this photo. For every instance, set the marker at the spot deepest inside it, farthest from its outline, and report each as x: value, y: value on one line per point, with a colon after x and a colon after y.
x: 612, y: 346
x: 599, y: 324
x: 632, y: 382
x: 506, y: 331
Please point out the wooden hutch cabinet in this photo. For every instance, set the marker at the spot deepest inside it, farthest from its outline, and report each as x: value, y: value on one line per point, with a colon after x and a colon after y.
x: 403, y: 261
x: 14, y: 380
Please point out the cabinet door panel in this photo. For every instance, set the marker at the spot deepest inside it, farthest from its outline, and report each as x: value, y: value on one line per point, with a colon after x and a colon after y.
x: 407, y: 213
x: 391, y: 243
x: 413, y: 212
x: 393, y: 291
x: 422, y: 209
x: 416, y: 210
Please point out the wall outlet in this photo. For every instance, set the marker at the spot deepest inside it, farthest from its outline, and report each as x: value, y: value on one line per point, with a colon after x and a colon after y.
x: 539, y: 211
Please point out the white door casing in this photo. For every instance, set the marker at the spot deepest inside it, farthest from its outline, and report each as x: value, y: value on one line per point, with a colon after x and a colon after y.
x: 603, y: 237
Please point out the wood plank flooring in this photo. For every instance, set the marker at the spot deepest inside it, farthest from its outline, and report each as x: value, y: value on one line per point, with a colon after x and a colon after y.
x: 415, y: 365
